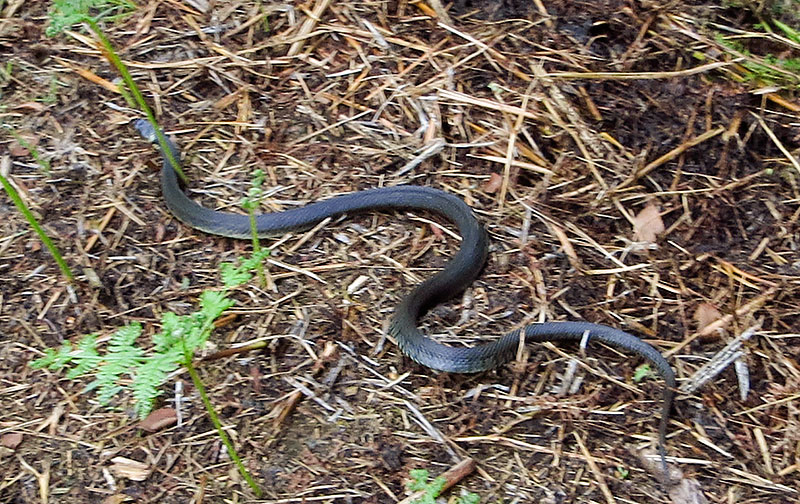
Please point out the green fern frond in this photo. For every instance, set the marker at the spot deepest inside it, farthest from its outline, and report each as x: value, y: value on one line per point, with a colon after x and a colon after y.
x: 84, y: 353
x: 254, y: 194
x: 253, y: 261
x: 173, y: 328
x: 87, y: 357
x: 419, y: 483
x: 214, y: 303
x: 179, y: 328
x: 122, y: 357
x: 470, y: 498
x: 145, y: 372
x: 55, y: 359
x: 419, y: 479
x: 66, y: 13
x: 233, y: 275
x: 125, y: 336
x: 149, y: 379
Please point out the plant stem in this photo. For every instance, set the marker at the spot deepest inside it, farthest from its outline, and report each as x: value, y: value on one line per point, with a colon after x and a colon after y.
x: 14, y: 195
x: 262, y: 278
x: 212, y: 414
x: 137, y: 95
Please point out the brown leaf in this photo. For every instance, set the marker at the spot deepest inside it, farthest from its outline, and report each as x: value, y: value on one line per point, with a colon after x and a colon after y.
x: 255, y: 374
x: 31, y: 105
x: 116, y: 499
x: 17, y: 150
x: 159, y: 419
x: 705, y: 315
x: 11, y: 440
x: 130, y: 469
x: 493, y: 184
x: 227, y: 100
x: 647, y: 224
x: 688, y: 491
x: 652, y: 463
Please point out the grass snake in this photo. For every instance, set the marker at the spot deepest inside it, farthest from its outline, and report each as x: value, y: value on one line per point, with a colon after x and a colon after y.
x: 457, y: 274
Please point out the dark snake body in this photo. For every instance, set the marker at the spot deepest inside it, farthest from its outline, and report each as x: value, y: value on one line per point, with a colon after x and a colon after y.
x: 457, y: 274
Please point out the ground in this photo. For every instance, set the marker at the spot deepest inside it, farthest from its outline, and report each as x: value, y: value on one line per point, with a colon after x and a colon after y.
x: 527, y: 111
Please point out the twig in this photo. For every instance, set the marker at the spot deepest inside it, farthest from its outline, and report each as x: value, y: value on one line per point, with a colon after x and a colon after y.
x: 677, y: 151
x: 308, y: 25
x: 452, y: 476
x: 601, y: 481
x: 793, y: 160
x: 719, y: 362
x: 723, y: 321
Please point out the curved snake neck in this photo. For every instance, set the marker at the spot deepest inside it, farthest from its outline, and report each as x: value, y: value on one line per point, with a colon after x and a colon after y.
x: 457, y: 274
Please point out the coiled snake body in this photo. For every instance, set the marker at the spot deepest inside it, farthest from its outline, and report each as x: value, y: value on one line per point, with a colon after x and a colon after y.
x: 457, y: 274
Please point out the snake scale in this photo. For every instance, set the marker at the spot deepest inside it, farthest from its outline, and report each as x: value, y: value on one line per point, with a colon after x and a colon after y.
x: 456, y: 276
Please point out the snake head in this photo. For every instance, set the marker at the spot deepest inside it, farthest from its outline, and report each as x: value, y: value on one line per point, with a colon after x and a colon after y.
x: 146, y: 129
x: 149, y: 133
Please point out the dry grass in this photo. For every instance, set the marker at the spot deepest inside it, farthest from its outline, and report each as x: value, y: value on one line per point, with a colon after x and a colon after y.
x: 528, y: 112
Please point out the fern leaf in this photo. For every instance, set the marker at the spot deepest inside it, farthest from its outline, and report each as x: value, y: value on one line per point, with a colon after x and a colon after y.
x: 179, y: 339
x: 106, y: 392
x: 252, y: 262
x: 66, y: 13
x: 122, y: 357
x: 63, y: 357
x: 125, y: 360
x: 66, y: 353
x: 214, y: 303
x: 86, y: 357
x: 172, y: 330
x: 148, y: 380
x: 125, y: 336
x: 232, y: 276
x: 51, y: 356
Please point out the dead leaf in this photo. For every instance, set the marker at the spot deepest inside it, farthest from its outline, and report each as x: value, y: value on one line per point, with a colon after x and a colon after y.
x: 31, y: 105
x: 96, y: 79
x: 574, y: 261
x: 493, y: 184
x: 688, y: 491
x: 255, y: 374
x: 159, y: 419
x: 160, y: 232
x: 647, y: 224
x: 705, y: 315
x: 130, y: 469
x: 116, y: 499
x: 17, y: 150
x: 227, y: 100
x: 11, y: 440
x: 651, y: 461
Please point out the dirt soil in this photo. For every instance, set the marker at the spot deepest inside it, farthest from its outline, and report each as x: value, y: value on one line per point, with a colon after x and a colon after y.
x: 628, y: 170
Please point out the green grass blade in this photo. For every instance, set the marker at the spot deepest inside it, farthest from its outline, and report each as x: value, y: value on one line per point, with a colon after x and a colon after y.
x: 137, y: 94
x: 14, y: 195
x: 45, y: 164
